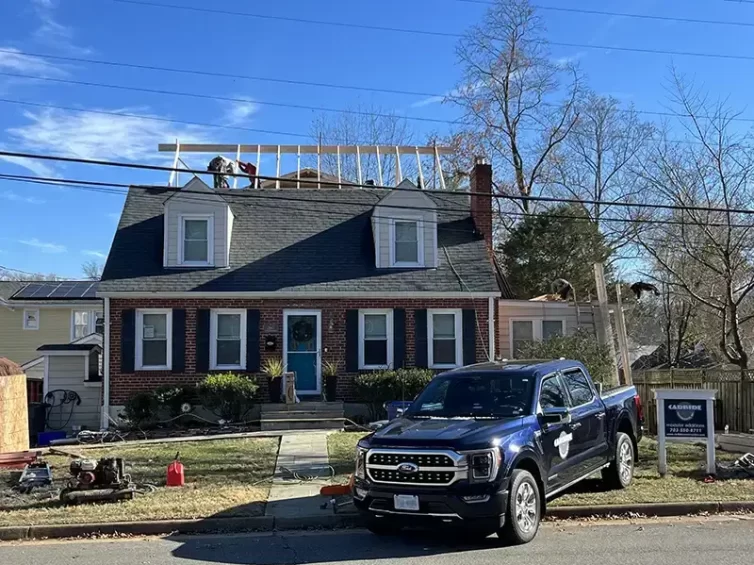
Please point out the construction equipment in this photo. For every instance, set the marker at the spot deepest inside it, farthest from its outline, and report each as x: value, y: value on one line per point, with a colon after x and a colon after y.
x: 100, y: 480
x: 36, y: 474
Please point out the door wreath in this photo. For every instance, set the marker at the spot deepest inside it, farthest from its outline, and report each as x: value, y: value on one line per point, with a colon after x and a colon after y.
x: 302, y: 331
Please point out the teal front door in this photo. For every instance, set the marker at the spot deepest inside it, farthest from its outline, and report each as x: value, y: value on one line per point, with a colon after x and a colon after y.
x: 302, y: 350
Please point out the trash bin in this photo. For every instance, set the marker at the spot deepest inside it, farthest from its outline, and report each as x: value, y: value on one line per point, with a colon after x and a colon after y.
x: 395, y: 408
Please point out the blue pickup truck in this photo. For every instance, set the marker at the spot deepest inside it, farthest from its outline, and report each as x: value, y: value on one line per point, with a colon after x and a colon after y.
x: 485, y: 446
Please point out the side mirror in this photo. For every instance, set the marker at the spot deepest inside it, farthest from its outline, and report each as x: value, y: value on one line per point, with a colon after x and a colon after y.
x: 554, y: 416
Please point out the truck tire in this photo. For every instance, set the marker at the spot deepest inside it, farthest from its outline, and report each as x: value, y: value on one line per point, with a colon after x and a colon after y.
x: 620, y: 473
x: 523, y: 512
x: 382, y: 527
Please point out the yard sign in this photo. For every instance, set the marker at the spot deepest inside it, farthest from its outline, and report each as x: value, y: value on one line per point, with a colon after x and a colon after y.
x: 685, y: 415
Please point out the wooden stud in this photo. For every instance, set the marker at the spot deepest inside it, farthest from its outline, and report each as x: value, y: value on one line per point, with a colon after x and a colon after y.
x: 419, y: 164
x: 438, y: 164
x: 236, y: 169
x: 257, y: 182
x: 358, y: 165
x: 277, y: 173
x: 339, y: 185
x: 298, y: 168
x: 398, y: 172
x: 379, y: 166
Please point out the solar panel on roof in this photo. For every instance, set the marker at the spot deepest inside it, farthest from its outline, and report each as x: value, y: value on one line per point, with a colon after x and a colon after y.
x: 90, y: 292
x: 62, y: 290
x: 71, y: 290
x: 27, y: 291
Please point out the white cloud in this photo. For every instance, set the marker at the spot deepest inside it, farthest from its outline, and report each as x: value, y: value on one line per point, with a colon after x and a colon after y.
x: 569, y: 59
x: 99, y: 136
x: 15, y: 197
x: 51, y: 32
x: 238, y: 113
x: 97, y: 254
x: 468, y: 89
x: 43, y: 246
x: 11, y: 59
x: 428, y: 101
x: 39, y: 168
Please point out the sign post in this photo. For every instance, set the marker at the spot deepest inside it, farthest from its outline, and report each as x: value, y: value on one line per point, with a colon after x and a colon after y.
x: 685, y: 415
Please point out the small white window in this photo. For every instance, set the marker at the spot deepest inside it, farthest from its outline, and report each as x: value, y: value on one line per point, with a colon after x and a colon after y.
x: 445, y: 341
x: 196, y: 240
x: 375, y: 339
x: 31, y: 319
x: 228, y: 339
x: 86, y: 322
x: 524, y: 331
x: 406, y: 249
x: 154, y: 339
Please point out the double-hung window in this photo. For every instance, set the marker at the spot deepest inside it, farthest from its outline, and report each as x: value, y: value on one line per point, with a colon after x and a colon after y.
x: 525, y: 331
x: 196, y: 240
x: 228, y: 339
x: 406, y: 246
x: 86, y: 322
x: 153, y: 339
x: 375, y: 339
x: 445, y: 341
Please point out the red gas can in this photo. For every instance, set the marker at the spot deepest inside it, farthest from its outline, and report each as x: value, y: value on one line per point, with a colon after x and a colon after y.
x: 175, y: 473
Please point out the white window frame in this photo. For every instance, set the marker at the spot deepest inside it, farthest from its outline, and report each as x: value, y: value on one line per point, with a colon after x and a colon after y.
x: 390, y: 338
x: 419, y: 242
x: 91, y: 322
x: 210, y: 219
x: 139, y: 356
x: 213, y: 339
x: 25, y: 325
x: 431, y: 338
x: 536, y: 329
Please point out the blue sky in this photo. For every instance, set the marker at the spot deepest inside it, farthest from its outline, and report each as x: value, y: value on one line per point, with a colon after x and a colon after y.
x: 52, y: 229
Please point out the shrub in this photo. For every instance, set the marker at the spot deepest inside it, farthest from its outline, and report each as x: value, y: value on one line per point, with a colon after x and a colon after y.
x: 228, y: 395
x: 141, y: 408
x: 172, y: 397
x: 378, y: 387
x: 581, y: 346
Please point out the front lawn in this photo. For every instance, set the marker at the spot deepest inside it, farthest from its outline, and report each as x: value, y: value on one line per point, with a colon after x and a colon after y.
x: 223, y: 477
x: 684, y: 481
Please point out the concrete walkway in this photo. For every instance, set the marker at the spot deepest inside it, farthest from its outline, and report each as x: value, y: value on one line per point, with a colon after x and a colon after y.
x: 302, y: 469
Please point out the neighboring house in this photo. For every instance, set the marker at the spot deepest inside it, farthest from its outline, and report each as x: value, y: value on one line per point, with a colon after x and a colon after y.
x: 33, y: 314
x: 199, y: 280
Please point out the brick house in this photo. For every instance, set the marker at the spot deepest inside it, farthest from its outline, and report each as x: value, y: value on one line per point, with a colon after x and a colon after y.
x: 201, y: 280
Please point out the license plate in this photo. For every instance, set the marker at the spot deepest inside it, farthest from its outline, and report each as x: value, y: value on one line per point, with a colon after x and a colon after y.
x: 406, y: 502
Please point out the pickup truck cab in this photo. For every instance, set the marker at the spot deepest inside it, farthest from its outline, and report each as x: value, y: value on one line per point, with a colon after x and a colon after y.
x: 483, y: 448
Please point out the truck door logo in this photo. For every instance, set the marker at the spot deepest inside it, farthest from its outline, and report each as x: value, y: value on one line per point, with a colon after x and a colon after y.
x: 408, y: 468
x: 563, y: 442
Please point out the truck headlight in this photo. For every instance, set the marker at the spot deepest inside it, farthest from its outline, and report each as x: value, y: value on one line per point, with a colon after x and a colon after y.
x: 361, y: 459
x: 483, y: 465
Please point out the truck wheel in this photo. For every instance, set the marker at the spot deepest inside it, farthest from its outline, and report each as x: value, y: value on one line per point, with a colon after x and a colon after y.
x: 381, y: 527
x: 523, y: 512
x: 620, y: 473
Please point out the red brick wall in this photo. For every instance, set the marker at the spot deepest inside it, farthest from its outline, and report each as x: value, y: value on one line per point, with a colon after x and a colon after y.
x: 123, y: 386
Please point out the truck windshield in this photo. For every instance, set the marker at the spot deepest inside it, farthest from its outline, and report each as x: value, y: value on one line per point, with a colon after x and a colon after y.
x: 474, y: 396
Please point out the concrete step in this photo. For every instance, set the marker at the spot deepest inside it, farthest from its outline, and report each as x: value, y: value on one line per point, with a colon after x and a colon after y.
x: 320, y: 425
x: 303, y: 407
x: 330, y: 415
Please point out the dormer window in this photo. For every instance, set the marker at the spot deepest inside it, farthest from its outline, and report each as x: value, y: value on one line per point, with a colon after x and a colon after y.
x: 196, y: 240
x: 406, y: 249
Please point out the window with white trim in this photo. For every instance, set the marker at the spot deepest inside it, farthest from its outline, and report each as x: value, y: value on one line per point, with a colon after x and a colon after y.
x: 196, y: 240
x: 154, y: 330
x: 31, y: 319
x: 445, y: 339
x: 375, y: 339
x: 525, y: 331
x: 227, y: 339
x: 86, y: 322
x: 406, y: 248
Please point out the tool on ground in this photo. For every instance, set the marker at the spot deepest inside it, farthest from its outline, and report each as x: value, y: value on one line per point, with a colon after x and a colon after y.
x: 34, y: 475
x: 17, y: 459
x: 99, y: 480
x: 334, y: 491
x: 176, y: 477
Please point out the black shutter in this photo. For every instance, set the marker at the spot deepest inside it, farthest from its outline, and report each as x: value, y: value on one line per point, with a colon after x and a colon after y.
x: 179, y: 341
x: 399, y: 338
x: 469, y: 337
x: 252, y: 341
x: 202, y: 341
x: 420, y: 338
x: 127, y: 340
x: 352, y: 341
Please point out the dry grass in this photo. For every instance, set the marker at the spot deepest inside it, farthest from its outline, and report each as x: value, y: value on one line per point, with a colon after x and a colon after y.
x: 223, y: 478
x: 684, y: 481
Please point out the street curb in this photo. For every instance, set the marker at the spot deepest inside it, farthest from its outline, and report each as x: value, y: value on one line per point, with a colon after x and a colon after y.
x: 335, y: 521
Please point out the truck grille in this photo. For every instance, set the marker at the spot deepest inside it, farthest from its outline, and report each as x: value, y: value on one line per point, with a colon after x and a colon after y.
x: 400, y: 467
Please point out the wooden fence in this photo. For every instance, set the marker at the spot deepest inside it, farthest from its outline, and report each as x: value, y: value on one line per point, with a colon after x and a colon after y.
x: 734, y: 404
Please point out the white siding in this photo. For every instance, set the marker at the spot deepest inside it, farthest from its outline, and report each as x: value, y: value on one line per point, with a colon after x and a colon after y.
x: 68, y: 373
x: 416, y: 206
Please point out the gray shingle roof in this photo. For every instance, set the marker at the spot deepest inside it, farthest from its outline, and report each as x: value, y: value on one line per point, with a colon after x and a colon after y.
x: 298, y: 240
x: 9, y: 288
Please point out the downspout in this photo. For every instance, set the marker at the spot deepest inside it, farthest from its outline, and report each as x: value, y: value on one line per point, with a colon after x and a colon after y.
x: 491, y: 328
x: 105, y: 419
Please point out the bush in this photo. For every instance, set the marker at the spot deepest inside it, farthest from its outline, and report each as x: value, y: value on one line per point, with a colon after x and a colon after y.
x: 227, y: 395
x: 581, y: 346
x: 173, y: 397
x: 378, y: 387
x: 141, y: 408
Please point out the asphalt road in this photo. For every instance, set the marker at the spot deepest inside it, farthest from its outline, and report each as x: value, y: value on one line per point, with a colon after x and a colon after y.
x: 673, y: 542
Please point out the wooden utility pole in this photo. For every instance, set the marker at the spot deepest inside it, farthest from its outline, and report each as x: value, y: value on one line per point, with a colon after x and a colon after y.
x: 620, y: 321
x: 607, y: 328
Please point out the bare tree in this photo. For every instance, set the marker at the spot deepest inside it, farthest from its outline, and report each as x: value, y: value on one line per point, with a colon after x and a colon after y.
x: 597, y: 162
x: 13, y: 275
x: 92, y: 270
x: 707, y: 253
x: 518, y: 102
x: 364, y: 125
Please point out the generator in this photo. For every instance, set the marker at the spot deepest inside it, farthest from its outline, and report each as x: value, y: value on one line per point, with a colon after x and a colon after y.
x: 96, y: 480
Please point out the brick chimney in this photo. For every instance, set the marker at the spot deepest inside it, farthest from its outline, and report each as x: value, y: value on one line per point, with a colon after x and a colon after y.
x: 481, y: 204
